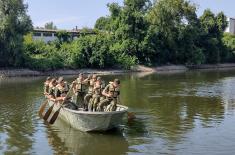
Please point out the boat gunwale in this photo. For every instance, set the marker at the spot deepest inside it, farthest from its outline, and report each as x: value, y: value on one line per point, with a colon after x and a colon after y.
x: 95, y: 112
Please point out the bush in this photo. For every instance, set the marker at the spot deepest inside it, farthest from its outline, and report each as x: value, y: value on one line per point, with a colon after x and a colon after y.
x: 90, y: 51
x: 229, y: 49
x: 41, y: 56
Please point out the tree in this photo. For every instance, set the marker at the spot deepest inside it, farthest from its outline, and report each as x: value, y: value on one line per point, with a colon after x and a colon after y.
x: 63, y: 36
x: 174, y: 33
x: 50, y: 26
x: 213, y: 27
x: 102, y: 23
x: 139, y: 32
x: 229, y: 43
x: 129, y: 26
x: 14, y: 23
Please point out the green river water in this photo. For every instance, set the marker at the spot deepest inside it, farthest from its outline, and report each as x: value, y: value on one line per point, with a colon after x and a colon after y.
x: 178, y: 113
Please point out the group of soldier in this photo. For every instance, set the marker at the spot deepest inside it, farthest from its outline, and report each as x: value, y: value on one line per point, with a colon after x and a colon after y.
x: 88, y: 93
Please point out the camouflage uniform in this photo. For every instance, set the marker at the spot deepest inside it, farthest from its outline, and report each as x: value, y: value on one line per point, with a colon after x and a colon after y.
x: 51, y: 92
x: 110, y: 102
x: 95, y: 98
x: 80, y: 93
x: 88, y: 96
x: 46, y: 88
x: 61, y: 91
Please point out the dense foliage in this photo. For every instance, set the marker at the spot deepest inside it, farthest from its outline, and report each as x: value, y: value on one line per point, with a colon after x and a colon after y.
x: 14, y: 23
x: 91, y: 51
x: 138, y: 32
x: 167, y: 32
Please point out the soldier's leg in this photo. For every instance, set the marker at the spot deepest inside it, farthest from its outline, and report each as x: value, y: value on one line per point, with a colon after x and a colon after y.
x: 80, y: 100
x: 102, y: 98
x: 108, y: 107
x: 102, y: 104
x: 90, y: 104
x: 86, y: 100
x: 95, y: 103
x: 112, y: 106
x: 75, y: 99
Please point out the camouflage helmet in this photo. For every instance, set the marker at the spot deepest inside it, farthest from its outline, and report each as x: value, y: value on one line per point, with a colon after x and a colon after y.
x: 60, y: 79
x: 117, y: 81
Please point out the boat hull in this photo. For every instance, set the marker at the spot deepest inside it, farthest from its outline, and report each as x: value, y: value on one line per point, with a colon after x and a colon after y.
x: 91, y: 121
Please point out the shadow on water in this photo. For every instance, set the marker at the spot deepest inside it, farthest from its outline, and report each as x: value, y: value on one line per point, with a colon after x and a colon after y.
x: 66, y: 140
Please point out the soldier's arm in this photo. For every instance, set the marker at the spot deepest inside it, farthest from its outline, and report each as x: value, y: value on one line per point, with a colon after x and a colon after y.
x: 52, y: 98
x: 57, y: 96
x: 46, y: 89
x: 105, y: 91
x: 74, y: 86
x: 57, y: 92
x: 96, y: 86
x: 51, y: 95
x: 86, y: 81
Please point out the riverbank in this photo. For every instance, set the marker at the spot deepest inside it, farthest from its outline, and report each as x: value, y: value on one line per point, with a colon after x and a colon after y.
x: 28, y: 72
x: 138, y: 68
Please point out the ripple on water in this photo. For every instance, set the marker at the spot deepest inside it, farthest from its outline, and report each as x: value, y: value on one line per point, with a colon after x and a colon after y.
x: 175, y: 114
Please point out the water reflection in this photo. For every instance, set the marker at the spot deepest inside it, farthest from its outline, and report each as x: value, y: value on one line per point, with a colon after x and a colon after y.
x: 17, y: 121
x: 173, y: 104
x: 66, y: 140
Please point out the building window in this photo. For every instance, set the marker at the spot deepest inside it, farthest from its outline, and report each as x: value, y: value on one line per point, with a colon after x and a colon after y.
x: 36, y: 34
x: 47, y: 34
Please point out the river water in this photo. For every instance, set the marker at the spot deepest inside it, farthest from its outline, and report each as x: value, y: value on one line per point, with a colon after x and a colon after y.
x: 180, y: 113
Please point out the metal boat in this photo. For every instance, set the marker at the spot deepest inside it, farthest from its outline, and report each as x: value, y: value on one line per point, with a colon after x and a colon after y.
x: 91, y: 121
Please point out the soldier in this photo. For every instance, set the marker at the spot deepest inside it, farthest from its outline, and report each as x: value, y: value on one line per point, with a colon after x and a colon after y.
x: 111, y: 92
x: 61, y: 91
x: 46, y: 86
x: 96, y: 96
x: 51, y: 91
x: 88, y: 96
x: 79, y: 90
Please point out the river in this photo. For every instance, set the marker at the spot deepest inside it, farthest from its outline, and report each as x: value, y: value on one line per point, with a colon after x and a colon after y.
x: 176, y: 113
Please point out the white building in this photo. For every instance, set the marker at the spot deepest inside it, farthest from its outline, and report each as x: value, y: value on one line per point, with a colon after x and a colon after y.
x: 50, y: 35
x: 231, y: 26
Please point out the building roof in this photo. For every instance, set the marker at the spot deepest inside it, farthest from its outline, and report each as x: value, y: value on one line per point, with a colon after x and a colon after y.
x: 54, y: 31
x: 69, y: 31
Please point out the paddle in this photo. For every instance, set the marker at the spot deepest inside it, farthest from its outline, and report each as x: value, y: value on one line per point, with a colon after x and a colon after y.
x: 55, y: 115
x: 130, y: 115
x: 42, y: 108
x: 47, y: 114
